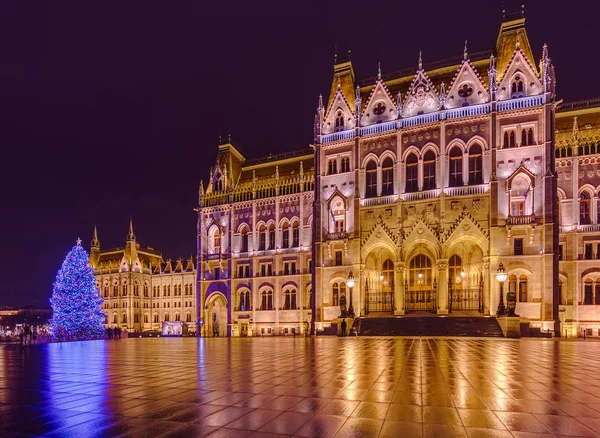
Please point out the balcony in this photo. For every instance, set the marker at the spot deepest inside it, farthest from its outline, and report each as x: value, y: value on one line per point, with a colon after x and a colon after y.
x: 381, y: 200
x: 420, y: 196
x: 522, y: 103
x: 419, y: 120
x: 378, y: 128
x: 468, y: 111
x: 466, y: 190
x: 337, y: 236
x: 521, y: 220
x: 338, y: 136
x: 589, y: 228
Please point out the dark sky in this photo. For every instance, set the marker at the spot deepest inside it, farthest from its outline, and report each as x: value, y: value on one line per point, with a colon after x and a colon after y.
x: 111, y: 109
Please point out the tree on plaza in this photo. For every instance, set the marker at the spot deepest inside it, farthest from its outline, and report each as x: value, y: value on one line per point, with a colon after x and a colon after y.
x: 76, y: 304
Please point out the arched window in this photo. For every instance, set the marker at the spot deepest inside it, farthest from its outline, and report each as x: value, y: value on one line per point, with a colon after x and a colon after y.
x: 295, y: 234
x: 588, y: 291
x: 523, y: 288
x: 524, y: 137
x: 262, y: 238
x: 115, y: 290
x: 136, y: 290
x: 584, y: 208
x: 242, y: 301
x: 387, y: 177
x: 146, y: 289
x: 371, y: 174
x: 115, y: 318
x: 266, y: 300
x: 216, y: 240
x: 245, y: 239
x: 511, y: 142
x: 106, y: 291
x: 285, y: 231
x: 188, y: 317
x: 339, y: 121
x: 420, y: 272
x: 272, y: 236
x: 429, y: 171
x: 456, y: 160
x: 520, y: 190
x: 475, y: 165
x: 146, y: 318
x: 332, y: 166
x: 517, y: 87
x: 412, y: 173
x: 248, y: 302
x: 388, y: 275
x: 289, y: 299
x: 345, y: 164
x: 597, y: 291
x: 124, y: 319
x: 166, y: 317
x: 155, y: 318
x: 456, y: 270
x: 512, y: 283
x: 335, y: 297
x: 343, y: 290
x: 513, y: 88
x: 505, y: 142
x: 530, y: 136
x: 125, y: 290
x: 177, y: 316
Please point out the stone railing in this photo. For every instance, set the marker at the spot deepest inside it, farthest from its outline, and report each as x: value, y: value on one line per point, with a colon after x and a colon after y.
x: 337, y: 236
x: 588, y: 228
x: 520, y: 220
x: 338, y: 136
x: 378, y: 128
x: 468, y: 111
x: 419, y: 196
x: 381, y: 200
x: 418, y: 120
x: 466, y: 190
x: 523, y: 102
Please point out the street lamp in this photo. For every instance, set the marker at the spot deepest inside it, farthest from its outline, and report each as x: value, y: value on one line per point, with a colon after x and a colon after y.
x: 350, y: 282
x: 501, y: 277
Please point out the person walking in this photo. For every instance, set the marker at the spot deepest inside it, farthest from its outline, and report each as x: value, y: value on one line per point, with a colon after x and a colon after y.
x: 109, y: 333
x: 343, y: 327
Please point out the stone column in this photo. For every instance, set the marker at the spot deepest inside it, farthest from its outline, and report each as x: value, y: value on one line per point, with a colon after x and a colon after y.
x: 487, y: 287
x: 399, y: 308
x: 442, y: 286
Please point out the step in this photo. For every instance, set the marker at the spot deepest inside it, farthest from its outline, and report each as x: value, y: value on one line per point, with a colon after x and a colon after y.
x: 430, y: 326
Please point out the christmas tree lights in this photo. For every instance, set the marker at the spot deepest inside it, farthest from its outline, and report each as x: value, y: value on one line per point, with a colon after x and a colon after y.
x: 76, y: 304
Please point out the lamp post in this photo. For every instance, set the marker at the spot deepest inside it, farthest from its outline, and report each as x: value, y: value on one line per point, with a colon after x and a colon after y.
x: 501, y: 277
x: 350, y: 282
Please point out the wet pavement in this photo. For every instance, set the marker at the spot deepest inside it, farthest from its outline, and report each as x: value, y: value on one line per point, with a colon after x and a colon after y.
x: 324, y: 387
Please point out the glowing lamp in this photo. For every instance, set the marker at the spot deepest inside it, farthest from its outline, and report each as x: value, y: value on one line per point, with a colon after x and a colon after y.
x: 350, y: 280
x: 501, y: 273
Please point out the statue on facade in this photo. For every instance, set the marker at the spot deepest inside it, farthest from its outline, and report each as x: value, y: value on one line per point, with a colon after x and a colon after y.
x: 344, y: 312
x: 511, y: 303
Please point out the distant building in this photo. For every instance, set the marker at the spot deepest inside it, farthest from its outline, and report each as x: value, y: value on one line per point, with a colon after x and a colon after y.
x: 419, y: 184
x: 141, y: 290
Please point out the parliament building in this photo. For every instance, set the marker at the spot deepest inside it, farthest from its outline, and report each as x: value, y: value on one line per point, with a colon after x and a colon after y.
x: 419, y: 186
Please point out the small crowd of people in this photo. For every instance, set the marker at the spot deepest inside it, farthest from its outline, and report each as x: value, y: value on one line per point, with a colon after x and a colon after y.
x: 113, y: 333
x: 28, y: 335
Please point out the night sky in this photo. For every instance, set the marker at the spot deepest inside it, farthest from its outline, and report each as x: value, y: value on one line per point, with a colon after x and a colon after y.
x: 112, y: 109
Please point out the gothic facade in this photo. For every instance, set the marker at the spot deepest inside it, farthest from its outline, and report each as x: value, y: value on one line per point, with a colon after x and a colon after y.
x: 141, y: 290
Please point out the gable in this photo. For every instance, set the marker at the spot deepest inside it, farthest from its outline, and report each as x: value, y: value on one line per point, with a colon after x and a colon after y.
x: 421, y: 97
x: 519, y: 71
x: 467, y: 88
x: 380, y: 107
x: 338, y: 108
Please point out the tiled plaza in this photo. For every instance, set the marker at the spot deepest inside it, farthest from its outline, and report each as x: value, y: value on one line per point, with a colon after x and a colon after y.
x: 323, y: 387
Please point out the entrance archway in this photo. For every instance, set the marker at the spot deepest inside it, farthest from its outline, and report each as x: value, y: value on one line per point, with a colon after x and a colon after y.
x: 379, y: 286
x: 420, y: 290
x: 216, y: 316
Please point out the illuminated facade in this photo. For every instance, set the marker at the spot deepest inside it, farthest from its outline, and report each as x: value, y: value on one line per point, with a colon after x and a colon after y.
x: 141, y: 290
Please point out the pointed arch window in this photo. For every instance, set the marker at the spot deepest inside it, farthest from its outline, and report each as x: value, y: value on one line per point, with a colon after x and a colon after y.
x: 285, y: 231
x: 584, y: 208
x: 245, y: 239
x: 505, y: 142
x: 335, y: 296
x: 272, y: 236
x: 429, y: 171
x: 456, y: 162
x: 371, y: 174
x: 412, y: 173
x: 387, y: 177
x: 475, y: 165
x: 262, y: 238
x: 456, y: 269
x: 388, y: 275
x: 216, y: 240
x: 289, y: 299
x: 266, y: 300
x: 511, y: 142
x: 339, y: 121
x: 332, y: 166
x: 345, y: 164
x: 295, y: 234
x: 530, y: 136
x: 523, y: 137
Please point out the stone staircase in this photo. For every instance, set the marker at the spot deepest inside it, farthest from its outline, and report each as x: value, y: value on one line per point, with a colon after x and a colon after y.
x: 430, y: 326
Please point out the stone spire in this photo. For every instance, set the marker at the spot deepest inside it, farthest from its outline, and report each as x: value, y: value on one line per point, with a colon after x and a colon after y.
x: 465, y: 52
x: 492, y: 78
x: 399, y: 104
x: 379, y: 71
x: 130, y: 236
x: 95, y: 241
x: 200, y: 192
x: 357, y: 108
x: 318, y: 119
x: 420, y: 60
x: 94, y: 249
x: 443, y: 96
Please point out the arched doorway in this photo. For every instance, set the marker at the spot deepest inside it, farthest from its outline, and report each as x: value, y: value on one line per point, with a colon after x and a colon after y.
x: 379, y: 285
x: 216, y: 316
x: 421, y: 290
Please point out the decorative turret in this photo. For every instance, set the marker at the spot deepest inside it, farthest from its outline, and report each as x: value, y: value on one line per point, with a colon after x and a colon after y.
x: 319, y: 119
x: 200, y: 192
x: 465, y: 52
x: 94, y: 249
x: 357, y: 103
x: 301, y: 169
x: 575, y: 138
x: 547, y: 72
x: 130, y: 235
x: 399, y: 104
x: 131, y: 245
x: 492, y: 78
x: 420, y: 65
x: 443, y: 96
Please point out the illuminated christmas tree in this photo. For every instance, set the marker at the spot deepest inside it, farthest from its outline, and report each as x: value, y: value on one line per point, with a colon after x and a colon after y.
x: 76, y: 304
